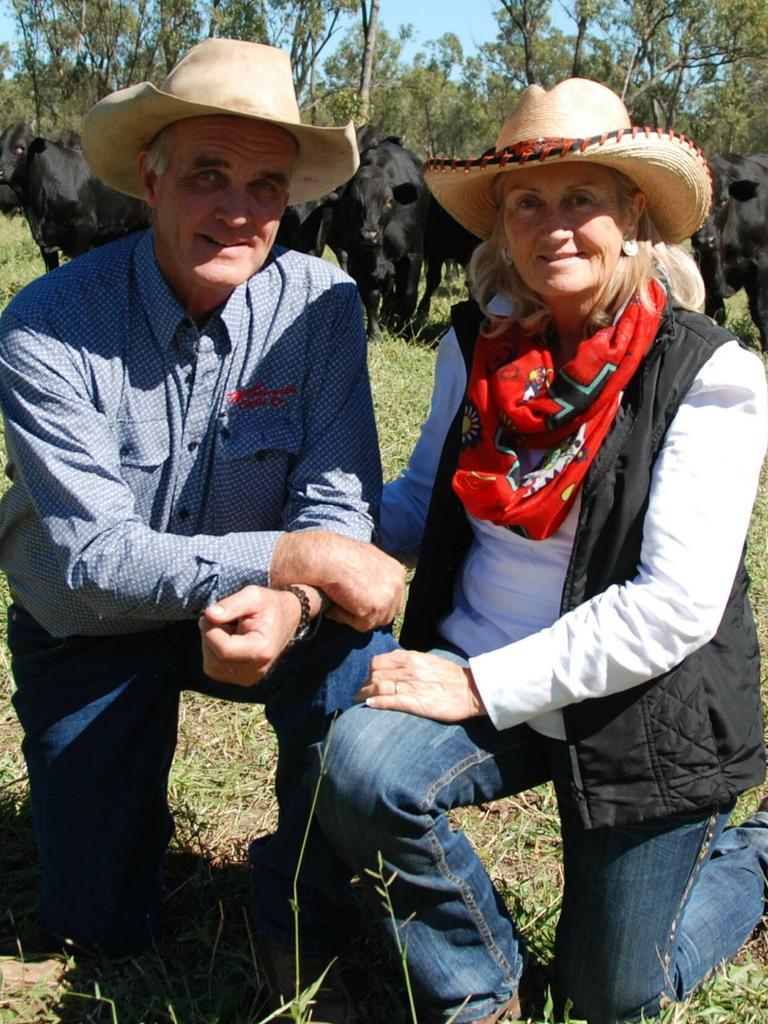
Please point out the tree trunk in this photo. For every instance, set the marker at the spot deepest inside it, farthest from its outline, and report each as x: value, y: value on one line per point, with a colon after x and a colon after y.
x: 370, y: 23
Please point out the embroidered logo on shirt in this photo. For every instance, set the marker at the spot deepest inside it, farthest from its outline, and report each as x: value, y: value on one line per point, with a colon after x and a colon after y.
x: 260, y: 395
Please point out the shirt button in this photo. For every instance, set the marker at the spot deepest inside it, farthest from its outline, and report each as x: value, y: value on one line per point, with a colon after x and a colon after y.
x: 183, y: 513
x: 191, y: 446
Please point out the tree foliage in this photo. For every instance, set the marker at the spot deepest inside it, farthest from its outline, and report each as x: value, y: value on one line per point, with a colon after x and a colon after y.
x: 700, y: 68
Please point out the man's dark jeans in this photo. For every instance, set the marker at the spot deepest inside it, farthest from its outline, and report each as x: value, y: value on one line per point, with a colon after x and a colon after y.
x: 100, y: 715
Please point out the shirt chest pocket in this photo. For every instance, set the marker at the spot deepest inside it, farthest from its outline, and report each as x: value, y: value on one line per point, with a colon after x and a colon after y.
x: 258, y: 451
x: 258, y: 435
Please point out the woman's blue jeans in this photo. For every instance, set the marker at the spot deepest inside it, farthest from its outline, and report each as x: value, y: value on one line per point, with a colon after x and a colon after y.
x: 648, y: 910
x: 99, y: 716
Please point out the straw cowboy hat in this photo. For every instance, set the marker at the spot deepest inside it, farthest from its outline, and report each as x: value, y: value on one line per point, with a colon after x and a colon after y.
x: 218, y: 76
x: 580, y: 120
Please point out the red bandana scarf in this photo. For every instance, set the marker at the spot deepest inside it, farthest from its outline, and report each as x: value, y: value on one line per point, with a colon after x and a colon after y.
x: 517, y: 400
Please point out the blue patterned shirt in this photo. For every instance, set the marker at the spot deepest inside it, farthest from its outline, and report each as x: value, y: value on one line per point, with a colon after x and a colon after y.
x: 155, y: 465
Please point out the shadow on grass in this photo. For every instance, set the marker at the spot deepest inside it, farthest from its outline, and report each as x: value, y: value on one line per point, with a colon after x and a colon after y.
x: 417, y: 331
x: 202, y: 969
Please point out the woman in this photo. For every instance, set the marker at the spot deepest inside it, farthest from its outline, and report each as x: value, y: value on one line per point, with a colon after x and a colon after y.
x: 580, y: 587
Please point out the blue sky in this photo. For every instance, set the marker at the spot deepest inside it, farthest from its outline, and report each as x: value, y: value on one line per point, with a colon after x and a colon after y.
x: 471, y: 20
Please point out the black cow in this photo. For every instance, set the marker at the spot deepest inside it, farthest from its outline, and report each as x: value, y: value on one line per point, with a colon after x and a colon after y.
x: 379, y: 222
x: 68, y: 208
x: 732, y: 244
x: 9, y: 201
x: 309, y: 227
x: 444, y: 239
x: 306, y: 226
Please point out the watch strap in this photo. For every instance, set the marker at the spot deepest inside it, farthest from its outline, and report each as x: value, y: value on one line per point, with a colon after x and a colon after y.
x: 305, y: 619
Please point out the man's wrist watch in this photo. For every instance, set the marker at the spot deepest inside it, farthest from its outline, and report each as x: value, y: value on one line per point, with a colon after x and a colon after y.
x: 306, y: 627
x: 305, y: 621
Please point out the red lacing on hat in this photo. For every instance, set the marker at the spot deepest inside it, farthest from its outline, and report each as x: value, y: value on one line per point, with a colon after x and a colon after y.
x: 691, y: 145
x: 529, y: 148
x: 543, y: 148
x: 551, y: 150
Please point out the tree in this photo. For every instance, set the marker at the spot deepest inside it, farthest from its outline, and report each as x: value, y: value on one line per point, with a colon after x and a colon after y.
x: 524, y: 29
x: 370, y: 16
x: 701, y: 68
x: 340, y: 85
x: 672, y: 49
x: 75, y: 53
x: 668, y: 59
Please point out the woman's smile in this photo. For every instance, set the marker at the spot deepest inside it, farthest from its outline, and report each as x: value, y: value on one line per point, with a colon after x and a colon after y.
x: 564, y: 225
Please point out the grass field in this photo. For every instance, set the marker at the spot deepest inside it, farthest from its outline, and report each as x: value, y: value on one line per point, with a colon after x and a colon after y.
x: 203, y: 970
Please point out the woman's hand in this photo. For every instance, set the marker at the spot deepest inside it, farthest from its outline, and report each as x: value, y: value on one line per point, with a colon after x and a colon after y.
x: 422, y: 684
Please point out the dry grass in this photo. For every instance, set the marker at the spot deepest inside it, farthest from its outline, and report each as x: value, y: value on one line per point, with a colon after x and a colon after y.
x: 203, y: 970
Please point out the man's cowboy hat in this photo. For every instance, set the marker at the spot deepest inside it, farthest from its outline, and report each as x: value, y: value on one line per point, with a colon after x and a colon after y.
x: 218, y: 76
x: 580, y: 120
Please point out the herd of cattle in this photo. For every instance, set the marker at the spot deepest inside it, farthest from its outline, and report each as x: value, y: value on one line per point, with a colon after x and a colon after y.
x: 382, y: 225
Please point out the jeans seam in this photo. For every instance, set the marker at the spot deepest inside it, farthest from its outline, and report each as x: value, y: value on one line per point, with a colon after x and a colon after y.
x: 453, y: 772
x: 701, y: 858
x: 469, y: 902
x: 438, y: 853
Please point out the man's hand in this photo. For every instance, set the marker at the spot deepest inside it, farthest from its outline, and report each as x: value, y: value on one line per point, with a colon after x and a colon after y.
x: 244, y: 634
x: 365, y: 585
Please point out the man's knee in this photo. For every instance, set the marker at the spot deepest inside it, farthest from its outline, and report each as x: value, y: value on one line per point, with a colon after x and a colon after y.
x: 367, y: 777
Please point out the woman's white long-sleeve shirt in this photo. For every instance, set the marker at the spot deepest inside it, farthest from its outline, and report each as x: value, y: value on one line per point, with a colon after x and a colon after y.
x: 529, y: 661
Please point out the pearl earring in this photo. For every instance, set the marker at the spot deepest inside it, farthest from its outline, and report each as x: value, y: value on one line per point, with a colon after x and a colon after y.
x: 506, y: 258
x: 629, y: 247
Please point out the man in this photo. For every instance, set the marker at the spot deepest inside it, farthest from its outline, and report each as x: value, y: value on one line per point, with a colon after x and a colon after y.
x: 188, y: 414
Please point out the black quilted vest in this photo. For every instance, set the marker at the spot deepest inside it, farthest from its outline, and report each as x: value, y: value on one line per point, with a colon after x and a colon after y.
x: 690, y: 739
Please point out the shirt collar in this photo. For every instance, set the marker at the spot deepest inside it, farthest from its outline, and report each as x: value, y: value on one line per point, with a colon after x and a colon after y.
x: 233, y: 312
x: 500, y: 305
x: 161, y: 307
x: 163, y: 310
x: 503, y: 305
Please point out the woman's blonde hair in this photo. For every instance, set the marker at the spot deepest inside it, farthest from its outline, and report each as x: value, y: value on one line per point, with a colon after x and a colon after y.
x: 490, y: 273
